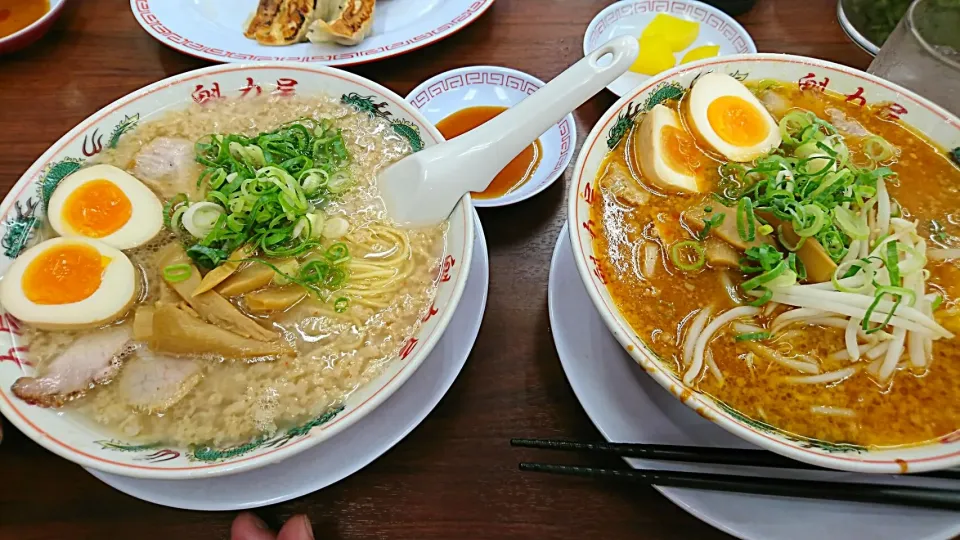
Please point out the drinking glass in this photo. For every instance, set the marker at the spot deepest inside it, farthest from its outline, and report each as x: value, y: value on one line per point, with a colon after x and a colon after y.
x: 923, y: 52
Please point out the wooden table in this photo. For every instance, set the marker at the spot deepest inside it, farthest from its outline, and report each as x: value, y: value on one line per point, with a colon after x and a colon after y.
x: 455, y: 476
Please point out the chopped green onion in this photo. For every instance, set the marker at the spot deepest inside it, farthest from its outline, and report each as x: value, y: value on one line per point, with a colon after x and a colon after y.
x: 752, y: 336
x: 785, y: 243
x: 792, y: 125
x: 206, y: 257
x: 763, y: 299
x: 850, y: 269
x: 708, y: 224
x: 765, y: 277
x: 176, y: 273
x: 892, y: 263
x: 937, y: 301
x: 337, y: 253
x: 270, y: 187
x: 852, y: 225
x: 746, y: 226
x: 688, y: 255
x: 899, y: 293
x: 766, y: 84
x: 819, y: 220
x: 877, y: 149
x: 341, y: 304
x: 176, y: 203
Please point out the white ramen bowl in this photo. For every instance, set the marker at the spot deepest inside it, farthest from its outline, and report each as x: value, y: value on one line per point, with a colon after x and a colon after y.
x: 86, y: 443
x: 442, y: 95
x: 630, y: 17
x: 861, y: 88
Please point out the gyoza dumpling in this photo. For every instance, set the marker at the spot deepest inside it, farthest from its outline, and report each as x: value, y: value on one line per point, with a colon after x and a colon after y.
x: 347, y: 22
x: 281, y: 22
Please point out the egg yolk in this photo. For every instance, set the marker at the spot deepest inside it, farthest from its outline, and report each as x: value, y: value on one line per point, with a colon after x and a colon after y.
x: 737, y: 121
x: 97, y: 208
x: 679, y: 151
x: 64, y: 274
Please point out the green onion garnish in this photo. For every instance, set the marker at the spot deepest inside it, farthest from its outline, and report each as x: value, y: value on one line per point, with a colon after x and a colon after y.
x: 688, y: 255
x: 899, y: 294
x: 763, y: 299
x: 268, y: 185
x: 746, y: 223
x: 937, y: 301
x: 708, y: 224
x: 877, y: 149
x: 176, y: 273
x: 765, y: 277
x: 341, y: 304
x: 893, y: 258
x: 752, y: 336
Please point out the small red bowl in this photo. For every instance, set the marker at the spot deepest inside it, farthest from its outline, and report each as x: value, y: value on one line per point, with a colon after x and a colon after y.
x: 34, y: 31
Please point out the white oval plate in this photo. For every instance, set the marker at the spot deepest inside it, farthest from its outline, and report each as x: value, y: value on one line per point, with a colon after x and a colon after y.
x: 213, y: 30
x: 442, y: 95
x: 627, y: 405
x: 356, y: 447
x: 630, y: 17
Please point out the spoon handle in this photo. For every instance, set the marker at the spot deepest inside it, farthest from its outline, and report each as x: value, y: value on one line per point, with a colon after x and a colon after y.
x: 486, y: 150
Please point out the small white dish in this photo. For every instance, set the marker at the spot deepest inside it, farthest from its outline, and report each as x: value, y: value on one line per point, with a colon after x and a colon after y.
x: 34, y: 31
x: 452, y: 91
x: 630, y: 17
x: 627, y: 405
x: 350, y: 451
x: 213, y: 30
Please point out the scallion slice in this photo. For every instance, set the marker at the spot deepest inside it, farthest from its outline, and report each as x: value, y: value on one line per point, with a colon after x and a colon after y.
x: 176, y: 273
x: 688, y: 255
x: 752, y: 336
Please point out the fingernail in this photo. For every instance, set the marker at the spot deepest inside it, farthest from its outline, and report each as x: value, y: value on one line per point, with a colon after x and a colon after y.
x: 261, y: 524
x: 308, y: 526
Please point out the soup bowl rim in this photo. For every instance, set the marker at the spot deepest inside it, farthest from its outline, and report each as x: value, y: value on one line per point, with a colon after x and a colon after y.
x: 636, y: 347
x: 425, y: 344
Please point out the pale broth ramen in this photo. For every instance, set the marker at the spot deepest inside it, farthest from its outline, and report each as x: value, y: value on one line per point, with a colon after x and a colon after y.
x: 240, y: 271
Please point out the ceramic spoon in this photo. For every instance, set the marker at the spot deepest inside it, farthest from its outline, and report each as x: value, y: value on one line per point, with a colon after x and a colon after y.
x: 423, y: 188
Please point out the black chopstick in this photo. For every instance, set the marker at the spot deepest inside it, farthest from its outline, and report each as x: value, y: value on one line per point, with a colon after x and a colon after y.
x: 943, y: 499
x: 693, y: 454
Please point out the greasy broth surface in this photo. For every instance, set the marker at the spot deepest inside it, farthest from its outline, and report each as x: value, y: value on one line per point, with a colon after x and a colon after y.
x: 913, y: 408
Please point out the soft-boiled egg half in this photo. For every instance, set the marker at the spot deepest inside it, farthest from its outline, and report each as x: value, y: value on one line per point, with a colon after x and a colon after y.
x: 69, y: 283
x: 107, y: 204
x: 668, y: 156
x: 726, y: 117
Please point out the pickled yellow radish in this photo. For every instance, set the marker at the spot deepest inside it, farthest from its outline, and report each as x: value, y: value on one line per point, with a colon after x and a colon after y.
x: 699, y: 53
x: 676, y: 32
x: 655, y: 56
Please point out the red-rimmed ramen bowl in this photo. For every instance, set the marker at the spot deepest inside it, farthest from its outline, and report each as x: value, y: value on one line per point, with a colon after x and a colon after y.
x: 651, y: 285
x: 90, y: 444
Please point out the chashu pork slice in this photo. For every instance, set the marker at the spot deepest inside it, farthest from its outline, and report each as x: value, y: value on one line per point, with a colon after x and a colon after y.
x: 94, y: 358
x: 153, y: 382
x: 168, y: 166
x: 281, y: 22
